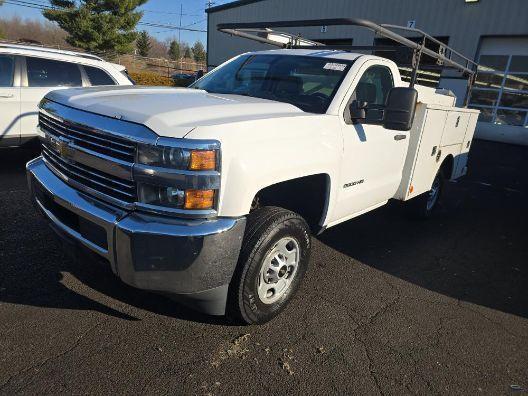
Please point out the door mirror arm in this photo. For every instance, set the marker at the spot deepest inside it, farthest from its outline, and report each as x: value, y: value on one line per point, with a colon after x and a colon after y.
x: 358, y: 111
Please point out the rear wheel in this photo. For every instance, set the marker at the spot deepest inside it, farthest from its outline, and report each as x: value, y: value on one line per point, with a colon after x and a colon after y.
x: 423, y: 206
x: 273, y: 260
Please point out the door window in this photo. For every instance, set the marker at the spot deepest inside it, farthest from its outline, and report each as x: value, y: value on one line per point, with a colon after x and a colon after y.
x: 7, y: 70
x: 373, y: 88
x: 51, y: 73
x: 98, y: 76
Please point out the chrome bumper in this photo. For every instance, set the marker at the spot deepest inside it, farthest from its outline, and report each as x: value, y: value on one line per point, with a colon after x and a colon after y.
x: 192, y: 258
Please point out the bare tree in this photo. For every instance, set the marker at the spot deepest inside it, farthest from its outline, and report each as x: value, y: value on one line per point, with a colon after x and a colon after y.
x: 158, y: 49
x: 43, y: 32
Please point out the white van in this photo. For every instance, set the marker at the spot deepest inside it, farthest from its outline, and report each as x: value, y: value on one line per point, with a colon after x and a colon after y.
x: 29, y: 72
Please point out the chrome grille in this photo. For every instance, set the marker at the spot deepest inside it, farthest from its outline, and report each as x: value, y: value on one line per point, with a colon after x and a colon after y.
x: 66, y: 147
x: 90, y: 139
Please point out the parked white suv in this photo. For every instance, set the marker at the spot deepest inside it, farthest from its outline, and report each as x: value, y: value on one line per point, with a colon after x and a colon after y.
x: 28, y: 73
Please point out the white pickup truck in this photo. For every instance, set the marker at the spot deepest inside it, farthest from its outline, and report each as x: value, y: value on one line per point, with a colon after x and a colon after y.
x: 212, y: 193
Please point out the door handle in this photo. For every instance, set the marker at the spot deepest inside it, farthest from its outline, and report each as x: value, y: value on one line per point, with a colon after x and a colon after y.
x: 400, y: 137
x: 7, y: 96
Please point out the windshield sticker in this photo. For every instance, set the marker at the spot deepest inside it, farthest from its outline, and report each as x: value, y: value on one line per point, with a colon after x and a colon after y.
x: 335, y: 66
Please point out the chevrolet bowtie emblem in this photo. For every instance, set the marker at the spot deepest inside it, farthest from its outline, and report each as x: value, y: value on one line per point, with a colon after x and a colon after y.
x: 61, y: 147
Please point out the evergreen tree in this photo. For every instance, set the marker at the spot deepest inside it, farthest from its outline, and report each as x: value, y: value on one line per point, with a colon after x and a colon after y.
x: 187, y: 54
x: 97, y: 25
x: 143, y: 43
x: 174, y: 50
x: 199, y: 52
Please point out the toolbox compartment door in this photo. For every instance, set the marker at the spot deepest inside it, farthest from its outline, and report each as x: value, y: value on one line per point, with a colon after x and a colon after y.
x: 426, y: 166
x: 421, y: 162
x: 461, y: 160
x: 455, y: 128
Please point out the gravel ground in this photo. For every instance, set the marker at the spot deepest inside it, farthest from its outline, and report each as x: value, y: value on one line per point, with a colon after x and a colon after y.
x: 388, y: 306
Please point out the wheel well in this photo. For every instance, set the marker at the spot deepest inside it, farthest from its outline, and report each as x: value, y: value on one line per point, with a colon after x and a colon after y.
x: 447, y: 167
x: 306, y: 196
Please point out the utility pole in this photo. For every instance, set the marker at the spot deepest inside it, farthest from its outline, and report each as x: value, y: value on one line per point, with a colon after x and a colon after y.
x: 179, y: 38
x: 179, y: 31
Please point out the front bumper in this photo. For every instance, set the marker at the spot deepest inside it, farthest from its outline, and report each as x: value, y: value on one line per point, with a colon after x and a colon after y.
x: 186, y: 257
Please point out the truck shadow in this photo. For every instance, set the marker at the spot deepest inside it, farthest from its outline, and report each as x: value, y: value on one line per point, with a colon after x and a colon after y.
x: 473, y: 249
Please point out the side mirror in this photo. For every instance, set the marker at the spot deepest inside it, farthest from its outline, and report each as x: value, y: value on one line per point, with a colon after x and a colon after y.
x: 199, y: 74
x: 400, y: 108
x: 358, y: 110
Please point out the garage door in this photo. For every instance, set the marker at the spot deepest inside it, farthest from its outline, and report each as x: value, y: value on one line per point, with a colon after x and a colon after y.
x: 501, y: 90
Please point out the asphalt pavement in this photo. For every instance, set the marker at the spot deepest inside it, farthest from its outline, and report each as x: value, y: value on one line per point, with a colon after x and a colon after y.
x: 388, y: 306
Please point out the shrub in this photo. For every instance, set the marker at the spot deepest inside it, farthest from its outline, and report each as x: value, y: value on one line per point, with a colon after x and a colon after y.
x: 152, y: 79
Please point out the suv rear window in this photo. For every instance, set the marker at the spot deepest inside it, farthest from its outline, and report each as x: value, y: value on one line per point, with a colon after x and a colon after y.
x: 51, y: 73
x: 7, y: 68
x: 98, y: 76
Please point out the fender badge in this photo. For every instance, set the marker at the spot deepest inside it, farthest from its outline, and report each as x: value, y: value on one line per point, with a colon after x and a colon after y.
x: 352, y: 184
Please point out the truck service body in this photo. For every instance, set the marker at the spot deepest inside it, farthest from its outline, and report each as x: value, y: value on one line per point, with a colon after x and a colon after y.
x: 280, y: 171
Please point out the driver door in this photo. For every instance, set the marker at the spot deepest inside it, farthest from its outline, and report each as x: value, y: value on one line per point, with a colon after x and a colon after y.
x: 373, y: 156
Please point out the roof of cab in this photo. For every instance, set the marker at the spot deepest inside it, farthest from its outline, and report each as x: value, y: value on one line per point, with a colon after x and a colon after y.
x: 331, y: 54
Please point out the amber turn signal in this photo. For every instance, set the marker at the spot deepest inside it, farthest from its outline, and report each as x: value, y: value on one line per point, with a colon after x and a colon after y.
x: 199, y: 199
x: 203, y: 160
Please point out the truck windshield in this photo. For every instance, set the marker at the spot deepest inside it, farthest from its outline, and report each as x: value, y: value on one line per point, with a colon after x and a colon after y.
x: 307, y: 82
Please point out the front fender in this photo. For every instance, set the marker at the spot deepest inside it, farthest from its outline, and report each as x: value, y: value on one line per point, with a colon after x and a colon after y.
x: 257, y: 154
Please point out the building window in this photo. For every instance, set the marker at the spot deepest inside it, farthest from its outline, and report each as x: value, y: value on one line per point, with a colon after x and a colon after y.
x: 501, y: 90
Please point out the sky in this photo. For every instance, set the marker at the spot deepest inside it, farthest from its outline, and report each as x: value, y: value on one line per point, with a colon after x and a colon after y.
x: 155, y: 11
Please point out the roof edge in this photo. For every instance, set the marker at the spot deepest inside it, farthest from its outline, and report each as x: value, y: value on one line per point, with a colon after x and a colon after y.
x: 234, y: 4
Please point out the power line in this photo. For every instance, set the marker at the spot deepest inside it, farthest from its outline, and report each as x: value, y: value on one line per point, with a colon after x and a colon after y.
x: 170, y: 13
x: 170, y: 27
x: 195, y: 23
x: 27, y: 4
x: 43, y: 4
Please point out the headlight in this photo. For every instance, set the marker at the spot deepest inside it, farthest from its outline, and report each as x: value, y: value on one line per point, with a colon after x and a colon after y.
x: 176, y: 158
x: 183, y: 178
x: 175, y: 198
x: 161, y: 196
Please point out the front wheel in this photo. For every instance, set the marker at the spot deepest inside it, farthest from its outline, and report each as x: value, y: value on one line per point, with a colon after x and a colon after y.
x: 273, y: 260
x: 423, y: 206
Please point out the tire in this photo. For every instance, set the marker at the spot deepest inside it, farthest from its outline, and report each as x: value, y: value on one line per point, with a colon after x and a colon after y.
x: 423, y: 206
x: 262, y: 287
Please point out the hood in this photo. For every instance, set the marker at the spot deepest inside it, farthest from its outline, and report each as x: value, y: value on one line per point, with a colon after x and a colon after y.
x: 171, y: 112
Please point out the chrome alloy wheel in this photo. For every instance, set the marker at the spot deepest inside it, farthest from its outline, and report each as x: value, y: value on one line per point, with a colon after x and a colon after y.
x: 433, y: 194
x: 278, y: 270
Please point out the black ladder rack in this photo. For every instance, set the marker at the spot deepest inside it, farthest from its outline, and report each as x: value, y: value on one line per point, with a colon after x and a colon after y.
x: 445, y: 56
